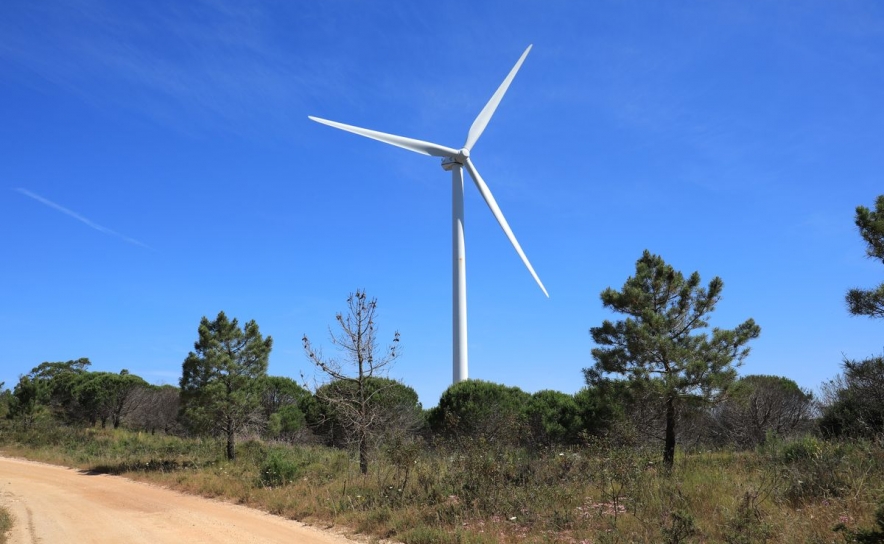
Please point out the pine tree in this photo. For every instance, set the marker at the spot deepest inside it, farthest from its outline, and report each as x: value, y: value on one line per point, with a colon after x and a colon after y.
x: 221, y: 380
x: 870, y: 302
x: 657, y: 344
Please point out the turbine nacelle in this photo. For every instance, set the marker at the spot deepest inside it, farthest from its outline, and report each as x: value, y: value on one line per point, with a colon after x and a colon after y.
x: 460, y: 159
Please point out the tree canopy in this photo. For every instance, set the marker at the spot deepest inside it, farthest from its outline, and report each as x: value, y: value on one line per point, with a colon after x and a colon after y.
x: 870, y: 302
x: 854, y: 401
x: 476, y: 408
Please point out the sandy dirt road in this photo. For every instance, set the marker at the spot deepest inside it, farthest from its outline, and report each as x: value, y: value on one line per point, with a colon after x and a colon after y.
x: 60, y: 505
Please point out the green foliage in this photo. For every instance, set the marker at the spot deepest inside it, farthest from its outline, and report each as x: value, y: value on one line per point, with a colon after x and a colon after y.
x: 855, y: 408
x: 279, y: 469
x: 5, y: 400
x: 812, y: 469
x: 278, y: 392
x: 28, y: 397
x: 553, y: 418
x: 870, y: 302
x: 680, y: 527
x: 70, y: 393
x: 392, y: 405
x: 602, y: 409
x: 476, y: 408
x: 747, y: 526
x: 103, y: 395
x: 658, y: 344
x: 221, y: 380
x: 433, y: 535
x: 286, y: 423
x: 49, y: 387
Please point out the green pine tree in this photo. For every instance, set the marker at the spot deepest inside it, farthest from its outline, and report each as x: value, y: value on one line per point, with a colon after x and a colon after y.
x: 221, y: 382
x: 658, y: 345
x: 870, y: 302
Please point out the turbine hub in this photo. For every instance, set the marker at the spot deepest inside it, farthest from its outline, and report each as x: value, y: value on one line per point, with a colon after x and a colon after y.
x: 461, y: 157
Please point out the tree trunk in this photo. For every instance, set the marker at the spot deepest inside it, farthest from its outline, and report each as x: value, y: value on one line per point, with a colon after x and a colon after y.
x: 669, y: 444
x: 231, y: 448
x: 363, y: 454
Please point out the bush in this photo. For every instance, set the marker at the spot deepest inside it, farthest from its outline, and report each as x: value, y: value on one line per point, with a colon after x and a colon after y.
x: 552, y: 419
x: 480, y: 409
x: 5, y: 523
x: 279, y: 469
x: 811, y: 469
x: 394, y: 407
x: 855, y: 401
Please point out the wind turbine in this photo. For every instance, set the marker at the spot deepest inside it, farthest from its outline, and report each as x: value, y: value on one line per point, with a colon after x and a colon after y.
x: 454, y: 160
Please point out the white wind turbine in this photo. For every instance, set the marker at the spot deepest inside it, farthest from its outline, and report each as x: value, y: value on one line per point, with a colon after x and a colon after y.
x: 454, y: 160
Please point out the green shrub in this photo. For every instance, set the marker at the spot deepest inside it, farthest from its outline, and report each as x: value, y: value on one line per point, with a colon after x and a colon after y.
x: 811, y: 469
x: 552, y: 419
x: 679, y: 527
x: 279, y: 469
x: 480, y: 409
x: 747, y: 526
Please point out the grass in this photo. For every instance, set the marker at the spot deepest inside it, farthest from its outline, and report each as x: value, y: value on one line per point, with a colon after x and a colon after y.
x: 478, y: 492
x: 5, y: 524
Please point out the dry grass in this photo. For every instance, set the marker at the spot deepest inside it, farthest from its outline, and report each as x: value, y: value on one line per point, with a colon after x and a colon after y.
x: 5, y: 524
x: 477, y: 492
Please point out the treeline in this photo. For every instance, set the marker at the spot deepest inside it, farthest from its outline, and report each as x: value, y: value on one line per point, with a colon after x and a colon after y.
x: 661, y: 376
x: 755, y: 409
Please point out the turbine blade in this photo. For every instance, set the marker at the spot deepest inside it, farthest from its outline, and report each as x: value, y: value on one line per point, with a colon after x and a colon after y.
x: 485, y: 115
x: 495, y: 209
x: 418, y: 146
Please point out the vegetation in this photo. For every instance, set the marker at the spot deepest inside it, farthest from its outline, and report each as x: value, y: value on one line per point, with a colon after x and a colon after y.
x: 655, y: 347
x: 754, y: 459
x: 795, y: 491
x: 854, y: 401
x: 221, y: 380
x: 5, y: 524
x: 477, y: 409
x: 353, y: 393
x: 760, y: 407
x: 870, y: 302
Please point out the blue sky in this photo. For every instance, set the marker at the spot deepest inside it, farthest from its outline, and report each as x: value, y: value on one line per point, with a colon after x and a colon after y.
x: 158, y: 165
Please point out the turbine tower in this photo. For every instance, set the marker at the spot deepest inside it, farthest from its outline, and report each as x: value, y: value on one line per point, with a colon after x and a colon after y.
x: 455, y: 160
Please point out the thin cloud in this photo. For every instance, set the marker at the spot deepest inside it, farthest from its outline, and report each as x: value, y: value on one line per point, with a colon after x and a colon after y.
x: 82, y: 219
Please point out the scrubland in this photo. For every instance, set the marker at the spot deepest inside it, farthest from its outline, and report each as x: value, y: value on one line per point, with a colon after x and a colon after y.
x: 805, y: 490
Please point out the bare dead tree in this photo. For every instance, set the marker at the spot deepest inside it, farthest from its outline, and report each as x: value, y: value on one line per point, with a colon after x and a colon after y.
x: 761, y: 406
x: 354, y: 385
x: 153, y: 408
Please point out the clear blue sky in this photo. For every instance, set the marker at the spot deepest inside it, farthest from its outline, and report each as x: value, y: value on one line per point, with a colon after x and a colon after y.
x: 157, y: 165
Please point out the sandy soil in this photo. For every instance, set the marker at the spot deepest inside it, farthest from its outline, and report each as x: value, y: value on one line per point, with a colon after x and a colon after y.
x: 55, y: 504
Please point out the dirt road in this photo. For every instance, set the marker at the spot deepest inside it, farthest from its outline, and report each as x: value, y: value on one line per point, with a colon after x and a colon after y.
x: 55, y: 504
